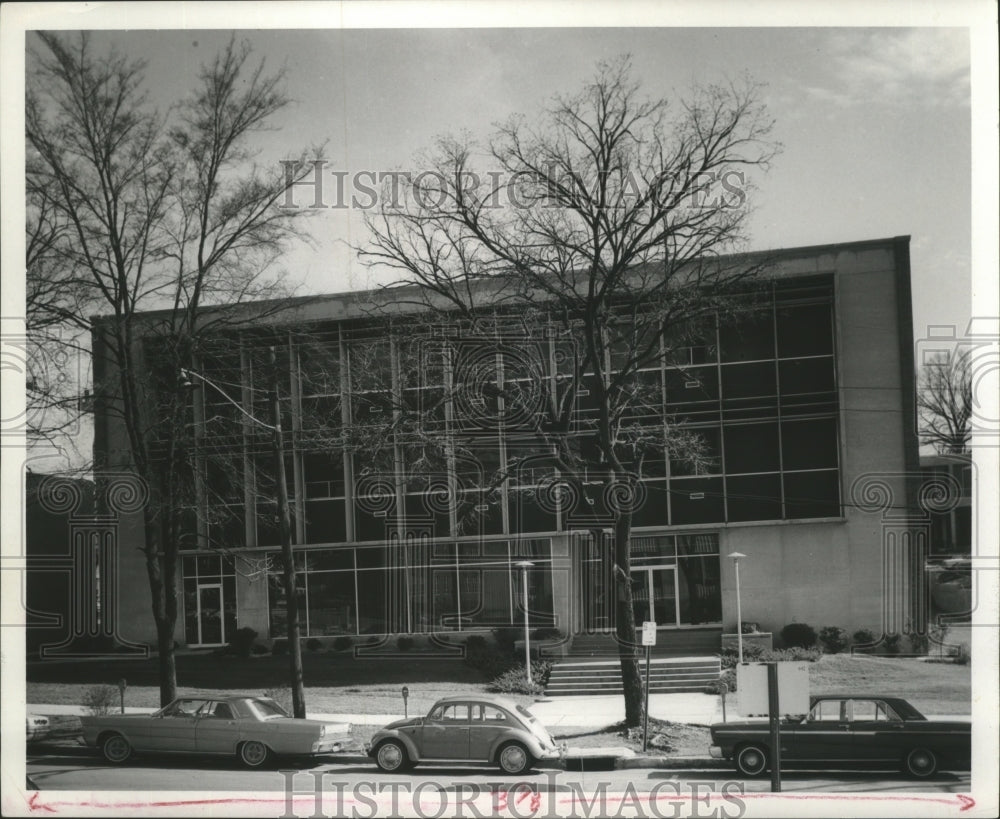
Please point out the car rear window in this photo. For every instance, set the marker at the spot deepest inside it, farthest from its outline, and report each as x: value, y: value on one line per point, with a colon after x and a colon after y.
x: 268, y: 708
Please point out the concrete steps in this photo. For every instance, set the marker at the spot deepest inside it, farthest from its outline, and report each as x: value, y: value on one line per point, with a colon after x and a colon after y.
x: 666, y: 675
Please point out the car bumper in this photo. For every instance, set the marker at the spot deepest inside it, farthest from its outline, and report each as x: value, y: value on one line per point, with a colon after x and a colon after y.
x: 333, y: 745
x: 716, y: 752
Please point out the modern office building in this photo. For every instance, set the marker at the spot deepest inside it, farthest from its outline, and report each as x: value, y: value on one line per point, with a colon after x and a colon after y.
x: 807, y: 409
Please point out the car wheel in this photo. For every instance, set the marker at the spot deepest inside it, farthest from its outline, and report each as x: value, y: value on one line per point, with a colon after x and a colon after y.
x: 254, y: 754
x: 751, y: 760
x: 920, y: 762
x: 514, y: 758
x: 391, y: 756
x: 116, y: 749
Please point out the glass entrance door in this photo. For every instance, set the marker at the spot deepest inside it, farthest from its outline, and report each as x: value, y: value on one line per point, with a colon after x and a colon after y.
x: 210, y: 626
x: 654, y: 596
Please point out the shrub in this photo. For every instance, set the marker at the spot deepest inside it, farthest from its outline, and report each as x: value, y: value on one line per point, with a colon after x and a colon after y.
x: 242, y: 643
x: 798, y: 635
x: 728, y: 677
x: 506, y: 637
x: 891, y: 643
x: 752, y: 652
x: 757, y: 654
x: 834, y: 639
x: 546, y: 633
x: 99, y: 699
x: 313, y: 644
x: 279, y: 647
x: 374, y: 640
x: 258, y: 648
x: 282, y: 696
x: 864, y: 637
x: 404, y: 643
x: 514, y: 681
x: 342, y: 643
x: 919, y: 643
x: 748, y: 627
x: 796, y: 654
x: 487, y: 657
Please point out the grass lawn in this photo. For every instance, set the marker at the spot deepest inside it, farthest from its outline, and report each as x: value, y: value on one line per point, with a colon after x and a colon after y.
x: 932, y: 688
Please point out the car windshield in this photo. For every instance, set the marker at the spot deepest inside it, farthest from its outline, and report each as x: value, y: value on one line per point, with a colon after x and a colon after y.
x: 268, y: 709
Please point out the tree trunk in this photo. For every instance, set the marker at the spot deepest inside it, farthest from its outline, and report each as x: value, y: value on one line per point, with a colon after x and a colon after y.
x: 164, y: 615
x: 625, y: 624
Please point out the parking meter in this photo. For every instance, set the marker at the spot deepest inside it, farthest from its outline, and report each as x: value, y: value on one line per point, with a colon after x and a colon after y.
x: 406, y: 710
x: 122, y: 685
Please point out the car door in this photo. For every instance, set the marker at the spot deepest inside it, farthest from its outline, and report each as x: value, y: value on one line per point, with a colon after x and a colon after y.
x: 488, y: 724
x: 217, y: 730
x: 175, y: 729
x: 877, y: 733
x: 445, y: 732
x: 823, y: 736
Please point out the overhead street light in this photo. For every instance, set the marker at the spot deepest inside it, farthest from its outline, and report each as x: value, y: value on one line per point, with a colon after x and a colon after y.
x: 524, y: 565
x: 736, y: 557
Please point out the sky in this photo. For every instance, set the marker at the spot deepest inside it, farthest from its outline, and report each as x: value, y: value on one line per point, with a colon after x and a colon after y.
x: 871, y: 103
x: 874, y: 122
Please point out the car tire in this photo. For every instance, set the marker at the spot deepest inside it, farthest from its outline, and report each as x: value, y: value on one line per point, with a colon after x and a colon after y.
x: 391, y: 756
x: 116, y: 749
x: 751, y: 760
x: 254, y: 754
x: 920, y: 763
x: 514, y: 758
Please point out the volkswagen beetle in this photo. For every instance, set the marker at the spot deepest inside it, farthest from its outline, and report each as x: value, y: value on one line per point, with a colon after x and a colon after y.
x: 467, y: 729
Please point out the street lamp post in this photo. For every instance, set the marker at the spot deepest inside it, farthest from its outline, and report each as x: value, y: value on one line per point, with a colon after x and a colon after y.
x: 524, y: 565
x: 284, y: 528
x: 736, y: 557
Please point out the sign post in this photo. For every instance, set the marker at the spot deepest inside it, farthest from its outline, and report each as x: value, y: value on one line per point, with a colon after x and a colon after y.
x: 122, y: 685
x: 648, y: 641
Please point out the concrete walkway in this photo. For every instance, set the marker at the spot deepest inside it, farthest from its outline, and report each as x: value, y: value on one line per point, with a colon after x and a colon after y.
x: 553, y: 712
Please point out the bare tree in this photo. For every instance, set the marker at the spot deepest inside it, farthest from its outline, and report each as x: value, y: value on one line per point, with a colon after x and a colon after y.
x: 944, y: 402
x: 165, y: 212
x: 614, y: 224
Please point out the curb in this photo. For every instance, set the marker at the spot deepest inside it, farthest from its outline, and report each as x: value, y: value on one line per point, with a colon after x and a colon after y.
x: 671, y: 762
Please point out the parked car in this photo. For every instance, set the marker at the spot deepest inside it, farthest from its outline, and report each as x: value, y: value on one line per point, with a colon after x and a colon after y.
x: 467, y: 729
x: 38, y: 727
x: 253, y: 729
x: 844, y: 730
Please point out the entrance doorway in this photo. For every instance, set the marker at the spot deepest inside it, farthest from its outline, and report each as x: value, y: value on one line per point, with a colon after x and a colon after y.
x: 211, y: 627
x: 655, y: 597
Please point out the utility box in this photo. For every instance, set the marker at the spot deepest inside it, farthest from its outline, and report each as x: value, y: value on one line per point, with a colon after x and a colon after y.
x: 793, y: 689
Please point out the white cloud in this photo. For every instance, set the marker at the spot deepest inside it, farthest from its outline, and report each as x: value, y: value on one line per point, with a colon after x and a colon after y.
x: 928, y: 66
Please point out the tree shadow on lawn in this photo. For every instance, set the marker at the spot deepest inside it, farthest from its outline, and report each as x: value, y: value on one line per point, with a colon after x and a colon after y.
x: 210, y: 671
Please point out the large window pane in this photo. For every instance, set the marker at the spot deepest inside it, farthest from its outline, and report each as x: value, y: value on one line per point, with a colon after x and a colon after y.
x: 696, y: 500
x: 754, y: 497
x: 812, y: 494
x: 279, y: 605
x: 652, y: 510
x: 325, y: 521
x: 374, y: 594
x: 711, y: 439
x: 331, y: 603
x: 749, y: 339
x: 745, y: 381
x: 806, y: 376
x: 804, y: 330
x: 809, y: 444
x: 751, y: 448
x: 699, y: 582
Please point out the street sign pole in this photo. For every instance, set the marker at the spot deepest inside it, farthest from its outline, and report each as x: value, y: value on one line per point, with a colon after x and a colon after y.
x: 645, y: 710
x: 775, y: 720
x: 648, y: 641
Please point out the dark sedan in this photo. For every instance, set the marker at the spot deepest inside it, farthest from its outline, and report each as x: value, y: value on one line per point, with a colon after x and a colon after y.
x: 846, y: 731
